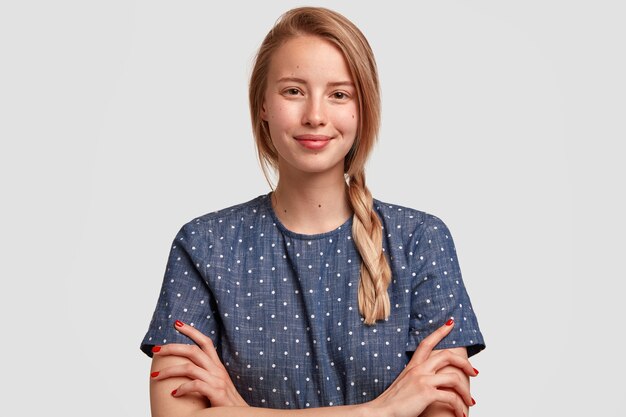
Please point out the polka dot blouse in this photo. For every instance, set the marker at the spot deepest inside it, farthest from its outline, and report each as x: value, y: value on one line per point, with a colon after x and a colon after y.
x: 282, y: 307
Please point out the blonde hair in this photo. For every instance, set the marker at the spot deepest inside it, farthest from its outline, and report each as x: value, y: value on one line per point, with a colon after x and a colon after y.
x: 366, y: 226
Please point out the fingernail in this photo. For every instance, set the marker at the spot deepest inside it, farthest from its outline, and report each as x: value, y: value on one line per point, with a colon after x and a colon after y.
x: 174, y: 392
x: 473, y: 401
x: 154, y: 374
x: 179, y: 323
x: 464, y: 415
x: 449, y: 322
x: 475, y: 370
x: 156, y: 349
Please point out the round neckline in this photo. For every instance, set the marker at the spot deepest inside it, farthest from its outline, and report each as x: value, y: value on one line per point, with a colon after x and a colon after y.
x: 345, y: 225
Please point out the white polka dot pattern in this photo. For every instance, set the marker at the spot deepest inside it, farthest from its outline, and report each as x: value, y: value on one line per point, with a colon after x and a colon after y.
x: 282, y: 307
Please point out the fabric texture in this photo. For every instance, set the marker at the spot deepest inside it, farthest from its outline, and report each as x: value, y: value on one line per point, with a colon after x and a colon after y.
x: 282, y: 309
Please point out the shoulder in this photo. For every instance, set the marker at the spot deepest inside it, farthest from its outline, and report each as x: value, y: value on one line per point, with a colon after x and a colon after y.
x: 401, y: 217
x: 227, y: 215
x: 206, y: 229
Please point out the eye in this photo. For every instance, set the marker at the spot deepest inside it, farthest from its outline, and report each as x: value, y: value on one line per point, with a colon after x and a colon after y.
x: 292, y: 92
x: 340, y: 95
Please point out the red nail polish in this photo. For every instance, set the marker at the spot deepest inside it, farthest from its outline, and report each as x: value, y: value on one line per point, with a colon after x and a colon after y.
x: 179, y: 323
x: 475, y: 370
x: 156, y: 349
x: 464, y: 415
x: 174, y: 392
x: 473, y: 401
x: 154, y: 374
x: 449, y: 322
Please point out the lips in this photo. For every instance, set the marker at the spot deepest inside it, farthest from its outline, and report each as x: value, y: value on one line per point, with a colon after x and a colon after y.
x: 314, y: 142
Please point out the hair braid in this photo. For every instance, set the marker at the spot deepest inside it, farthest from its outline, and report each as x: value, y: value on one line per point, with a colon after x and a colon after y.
x: 367, y: 234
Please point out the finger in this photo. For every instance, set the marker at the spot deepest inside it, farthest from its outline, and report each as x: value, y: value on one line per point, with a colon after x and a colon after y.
x: 453, y: 400
x: 188, y: 370
x: 191, y: 352
x: 212, y: 390
x: 444, y: 358
x: 204, y: 342
x: 427, y: 345
x: 196, y: 385
x: 196, y: 356
x: 453, y: 381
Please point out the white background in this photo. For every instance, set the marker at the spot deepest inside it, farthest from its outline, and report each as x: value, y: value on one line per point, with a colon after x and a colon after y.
x: 122, y: 120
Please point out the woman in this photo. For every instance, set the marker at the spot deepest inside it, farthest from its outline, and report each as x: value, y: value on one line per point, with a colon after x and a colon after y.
x: 314, y: 298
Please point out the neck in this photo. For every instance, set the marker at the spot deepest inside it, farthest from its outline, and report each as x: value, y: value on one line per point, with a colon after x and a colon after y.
x: 311, y: 205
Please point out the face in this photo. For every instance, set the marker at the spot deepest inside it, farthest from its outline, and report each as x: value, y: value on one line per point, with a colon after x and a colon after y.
x: 310, y: 106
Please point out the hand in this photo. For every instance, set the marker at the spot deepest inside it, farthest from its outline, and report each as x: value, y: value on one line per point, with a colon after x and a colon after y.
x: 207, y: 373
x: 419, y: 385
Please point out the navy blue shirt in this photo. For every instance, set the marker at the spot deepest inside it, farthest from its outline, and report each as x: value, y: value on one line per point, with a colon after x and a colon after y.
x: 282, y: 310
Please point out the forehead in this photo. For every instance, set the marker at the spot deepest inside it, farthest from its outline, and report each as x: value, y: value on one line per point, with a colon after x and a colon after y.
x: 308, y: 56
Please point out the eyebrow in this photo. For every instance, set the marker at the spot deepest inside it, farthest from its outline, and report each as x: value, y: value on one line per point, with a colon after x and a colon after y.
x: 301, y: 81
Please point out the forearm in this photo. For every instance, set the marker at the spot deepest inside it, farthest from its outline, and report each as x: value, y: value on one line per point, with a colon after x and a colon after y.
x: 440, y: 410
x: 163, y: 404
x: 337, y: 411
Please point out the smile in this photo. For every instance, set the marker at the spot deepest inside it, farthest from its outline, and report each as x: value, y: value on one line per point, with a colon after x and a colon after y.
x: 314, y: 142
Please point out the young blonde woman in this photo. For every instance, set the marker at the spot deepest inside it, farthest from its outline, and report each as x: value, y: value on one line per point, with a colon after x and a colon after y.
x: 315, y: 299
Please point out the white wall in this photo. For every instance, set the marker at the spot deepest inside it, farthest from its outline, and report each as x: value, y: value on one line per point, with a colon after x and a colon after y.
x: 122, y: 120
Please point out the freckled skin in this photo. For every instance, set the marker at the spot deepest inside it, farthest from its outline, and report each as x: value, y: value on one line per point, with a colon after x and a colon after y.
x: 321, y: 101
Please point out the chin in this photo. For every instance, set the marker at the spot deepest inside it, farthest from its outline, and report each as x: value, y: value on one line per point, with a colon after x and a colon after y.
x: 317, y: 168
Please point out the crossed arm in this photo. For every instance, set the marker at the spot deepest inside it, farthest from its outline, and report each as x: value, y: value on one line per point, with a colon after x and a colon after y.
x: 190, y: 381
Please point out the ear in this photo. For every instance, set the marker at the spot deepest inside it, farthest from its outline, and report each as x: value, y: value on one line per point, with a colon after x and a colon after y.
x: 264, y: 112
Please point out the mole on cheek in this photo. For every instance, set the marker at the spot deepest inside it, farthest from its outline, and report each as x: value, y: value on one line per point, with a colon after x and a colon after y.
x: 353, y: 116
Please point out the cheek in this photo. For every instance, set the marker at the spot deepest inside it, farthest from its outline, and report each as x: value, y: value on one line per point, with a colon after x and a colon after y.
x: 271, y: 108
x: 278, y: 117
x: 347, y: 120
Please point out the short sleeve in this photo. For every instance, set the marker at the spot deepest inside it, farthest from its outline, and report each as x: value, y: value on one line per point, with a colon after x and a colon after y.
x: 438, y: 292
x: 184, y: 295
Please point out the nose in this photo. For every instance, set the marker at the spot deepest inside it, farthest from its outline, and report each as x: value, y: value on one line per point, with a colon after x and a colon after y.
x: 314, y: 113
